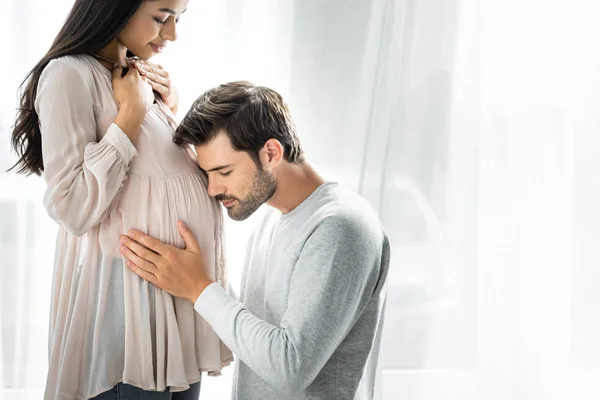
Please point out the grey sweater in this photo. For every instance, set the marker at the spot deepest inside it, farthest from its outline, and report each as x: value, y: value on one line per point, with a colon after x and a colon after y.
x: 308, y: 323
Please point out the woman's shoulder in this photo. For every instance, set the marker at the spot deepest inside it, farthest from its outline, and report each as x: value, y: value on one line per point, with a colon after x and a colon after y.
x: 70, y: 68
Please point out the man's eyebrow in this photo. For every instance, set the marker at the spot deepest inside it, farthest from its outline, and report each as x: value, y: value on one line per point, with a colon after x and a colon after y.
x: 172, y: 12
x: 217, y: 168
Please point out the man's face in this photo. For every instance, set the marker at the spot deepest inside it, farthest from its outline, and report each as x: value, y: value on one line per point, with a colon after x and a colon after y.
x: 233, y: 177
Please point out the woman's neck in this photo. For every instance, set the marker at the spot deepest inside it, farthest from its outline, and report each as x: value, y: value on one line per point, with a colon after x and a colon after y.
x: 115, y: 52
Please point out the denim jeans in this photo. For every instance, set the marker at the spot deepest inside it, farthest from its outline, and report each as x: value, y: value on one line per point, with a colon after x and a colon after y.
x: 127, y: 392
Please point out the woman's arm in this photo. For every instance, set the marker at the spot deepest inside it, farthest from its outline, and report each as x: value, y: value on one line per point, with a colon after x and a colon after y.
x: 84, y: 176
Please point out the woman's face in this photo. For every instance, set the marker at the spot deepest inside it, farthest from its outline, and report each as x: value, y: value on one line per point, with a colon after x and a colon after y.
x: 152, y: 26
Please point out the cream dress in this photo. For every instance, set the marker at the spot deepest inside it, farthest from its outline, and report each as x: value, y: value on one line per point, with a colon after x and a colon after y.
x: 107, y: 325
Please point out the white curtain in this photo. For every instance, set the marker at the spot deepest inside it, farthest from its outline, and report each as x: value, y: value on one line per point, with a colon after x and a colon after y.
x: 472, y: 127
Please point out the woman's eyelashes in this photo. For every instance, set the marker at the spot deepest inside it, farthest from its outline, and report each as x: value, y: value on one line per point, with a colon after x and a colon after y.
x: 164, y: 21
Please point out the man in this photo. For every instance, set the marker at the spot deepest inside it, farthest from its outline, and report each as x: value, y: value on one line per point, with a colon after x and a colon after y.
x: 309, y: 318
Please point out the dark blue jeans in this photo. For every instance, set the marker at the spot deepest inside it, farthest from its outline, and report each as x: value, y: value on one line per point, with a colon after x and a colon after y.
x: 127, y: 392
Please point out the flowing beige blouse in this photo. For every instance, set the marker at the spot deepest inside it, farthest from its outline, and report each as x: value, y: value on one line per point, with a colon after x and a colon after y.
x: 107, y: 325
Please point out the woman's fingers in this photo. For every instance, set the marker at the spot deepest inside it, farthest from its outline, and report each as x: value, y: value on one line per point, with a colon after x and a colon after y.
x: 152, y: 68
x: 156, y: 78
x: 163, y: 90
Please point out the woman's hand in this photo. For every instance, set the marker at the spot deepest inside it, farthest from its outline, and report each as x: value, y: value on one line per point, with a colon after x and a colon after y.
x: 132, y: 90
x: 135, y: 97
x: 160, y: 81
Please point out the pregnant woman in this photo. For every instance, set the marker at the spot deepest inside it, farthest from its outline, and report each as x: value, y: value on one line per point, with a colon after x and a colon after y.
x: 96, y: 119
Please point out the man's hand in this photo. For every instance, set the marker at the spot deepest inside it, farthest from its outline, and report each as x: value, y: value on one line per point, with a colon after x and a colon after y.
x: 179, y: 272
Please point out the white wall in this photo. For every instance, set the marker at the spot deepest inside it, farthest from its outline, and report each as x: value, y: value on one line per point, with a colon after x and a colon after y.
x: 470, y: 125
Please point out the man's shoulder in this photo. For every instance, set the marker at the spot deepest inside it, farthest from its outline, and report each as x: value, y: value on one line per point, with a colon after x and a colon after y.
x: 343, y: 203
x: 346, y: 211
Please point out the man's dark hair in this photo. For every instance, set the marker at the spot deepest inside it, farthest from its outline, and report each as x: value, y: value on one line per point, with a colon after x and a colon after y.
x: 249, y: 115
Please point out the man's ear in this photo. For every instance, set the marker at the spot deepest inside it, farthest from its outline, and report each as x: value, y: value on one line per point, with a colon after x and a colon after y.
x: 272, y: 153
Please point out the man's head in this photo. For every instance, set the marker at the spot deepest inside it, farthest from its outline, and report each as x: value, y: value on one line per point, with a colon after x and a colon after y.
x: 242, y: 133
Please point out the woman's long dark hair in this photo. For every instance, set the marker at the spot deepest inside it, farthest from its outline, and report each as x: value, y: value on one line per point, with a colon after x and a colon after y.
x: 90, y: 26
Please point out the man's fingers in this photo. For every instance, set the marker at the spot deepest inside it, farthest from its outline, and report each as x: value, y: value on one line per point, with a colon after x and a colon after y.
x: 140, y: 250
x: 139, y: 259
x: 149, y: 242
x: 142, y: 273
x: 188, y: 237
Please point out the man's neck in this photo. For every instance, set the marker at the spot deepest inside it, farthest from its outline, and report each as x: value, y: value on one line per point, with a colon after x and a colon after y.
x: 295, y: 183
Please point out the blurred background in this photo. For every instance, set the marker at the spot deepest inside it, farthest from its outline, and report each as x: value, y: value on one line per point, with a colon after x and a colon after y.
x: 471, y: 126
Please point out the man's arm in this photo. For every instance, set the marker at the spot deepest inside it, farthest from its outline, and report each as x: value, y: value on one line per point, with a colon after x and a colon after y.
x: 333, y: 281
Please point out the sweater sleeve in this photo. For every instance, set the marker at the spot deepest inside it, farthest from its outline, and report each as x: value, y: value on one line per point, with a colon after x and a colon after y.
x: 333, y: 282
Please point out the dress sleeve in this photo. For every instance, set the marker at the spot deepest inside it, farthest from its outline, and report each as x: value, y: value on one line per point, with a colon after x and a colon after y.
x: 84, y: 175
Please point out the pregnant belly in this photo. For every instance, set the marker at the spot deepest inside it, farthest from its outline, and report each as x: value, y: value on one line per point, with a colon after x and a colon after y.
x: 153, y: 205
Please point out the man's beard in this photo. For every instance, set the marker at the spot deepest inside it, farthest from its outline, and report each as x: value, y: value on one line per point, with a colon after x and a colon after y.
x: 262, y: 189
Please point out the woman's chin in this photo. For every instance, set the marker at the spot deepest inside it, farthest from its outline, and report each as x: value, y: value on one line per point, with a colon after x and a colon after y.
x: 144, y: 55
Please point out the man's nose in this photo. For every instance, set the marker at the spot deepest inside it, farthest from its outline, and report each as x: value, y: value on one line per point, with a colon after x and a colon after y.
x: 214, y: 189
